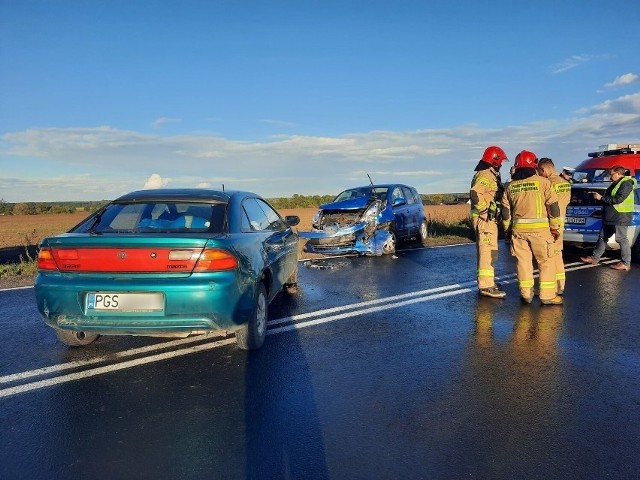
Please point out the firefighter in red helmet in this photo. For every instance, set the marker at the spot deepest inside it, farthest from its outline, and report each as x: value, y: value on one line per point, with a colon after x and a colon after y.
x: 531, y: 215
x: 485, y: 193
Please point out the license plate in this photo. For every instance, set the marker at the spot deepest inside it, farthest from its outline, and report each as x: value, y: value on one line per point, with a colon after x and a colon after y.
x: 576, y: 220
x: 125, y: 302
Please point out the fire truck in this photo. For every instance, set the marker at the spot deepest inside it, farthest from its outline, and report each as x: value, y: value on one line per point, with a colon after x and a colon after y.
x: 584, y: 213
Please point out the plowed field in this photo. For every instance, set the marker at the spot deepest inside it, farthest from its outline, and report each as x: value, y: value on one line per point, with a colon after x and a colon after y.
x: 21, y: 230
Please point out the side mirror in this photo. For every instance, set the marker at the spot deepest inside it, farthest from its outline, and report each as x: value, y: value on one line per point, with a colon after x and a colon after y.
x: 292, y: 220
x: 399, y: 201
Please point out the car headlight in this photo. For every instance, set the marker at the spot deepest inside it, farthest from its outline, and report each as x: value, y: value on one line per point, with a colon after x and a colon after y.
x: 370, y: 215
x: 315, y: 220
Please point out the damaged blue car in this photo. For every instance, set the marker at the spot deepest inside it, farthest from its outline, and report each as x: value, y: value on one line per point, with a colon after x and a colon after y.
x: 368, y: 220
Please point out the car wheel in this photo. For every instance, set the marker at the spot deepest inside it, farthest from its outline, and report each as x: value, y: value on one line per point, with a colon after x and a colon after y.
x: 75, y: 339
x: 389, y: 246
x: 423, y: 233
x: 251, y: 335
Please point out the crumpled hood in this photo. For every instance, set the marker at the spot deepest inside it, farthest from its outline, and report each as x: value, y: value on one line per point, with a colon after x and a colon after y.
x: 349, y: 205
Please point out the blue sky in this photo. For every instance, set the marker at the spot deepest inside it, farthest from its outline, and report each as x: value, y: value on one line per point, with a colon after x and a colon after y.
x: 101, y: 97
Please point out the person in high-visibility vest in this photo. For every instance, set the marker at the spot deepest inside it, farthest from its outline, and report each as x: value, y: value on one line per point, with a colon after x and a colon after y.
x: 531, y: 215
x: 485, y: 193
x: 616, y: 217
x: 562, y: 188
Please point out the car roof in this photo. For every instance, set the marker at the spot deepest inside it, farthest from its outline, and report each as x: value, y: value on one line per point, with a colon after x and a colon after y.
x: 182, y: 194
x: 380, y: 185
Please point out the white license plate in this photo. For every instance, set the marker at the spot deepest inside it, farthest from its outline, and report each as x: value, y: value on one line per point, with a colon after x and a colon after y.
x: 125, y: 302
x: 577, y: 220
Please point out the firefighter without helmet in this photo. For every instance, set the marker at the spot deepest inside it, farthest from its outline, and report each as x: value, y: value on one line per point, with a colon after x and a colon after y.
x: 494, y: 156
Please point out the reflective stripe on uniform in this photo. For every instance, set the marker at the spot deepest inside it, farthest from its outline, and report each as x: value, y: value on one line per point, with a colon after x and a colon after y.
x: 525, y: 283
x: 544, y: 285
x: 485, y: 273
x: 530, y: 223
x: 561, y: 276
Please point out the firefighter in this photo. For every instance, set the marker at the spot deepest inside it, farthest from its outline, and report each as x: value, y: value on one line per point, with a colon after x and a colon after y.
x: 486, y: 191
x: 531, y: 215
x: 562, y: 188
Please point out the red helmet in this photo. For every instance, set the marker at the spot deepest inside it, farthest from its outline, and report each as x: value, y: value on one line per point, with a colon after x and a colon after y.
x: 494, y: 156
x: 526, y: 159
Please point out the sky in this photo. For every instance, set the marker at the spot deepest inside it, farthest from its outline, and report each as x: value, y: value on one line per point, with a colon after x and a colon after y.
x: 102, y: 97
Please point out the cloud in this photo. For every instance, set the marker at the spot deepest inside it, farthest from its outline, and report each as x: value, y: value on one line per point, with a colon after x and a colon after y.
x: 156, y: 181
x: 277, y: 123
x: 104, y: 162
x: 622, y: 80
x: 575, y: 61
x: 162, y: 121
x: 627, y: 104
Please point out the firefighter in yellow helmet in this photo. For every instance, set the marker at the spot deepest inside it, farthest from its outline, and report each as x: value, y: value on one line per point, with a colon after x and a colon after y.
x: 562, y: 188
x: 486, y: 191
x: 530, y: 213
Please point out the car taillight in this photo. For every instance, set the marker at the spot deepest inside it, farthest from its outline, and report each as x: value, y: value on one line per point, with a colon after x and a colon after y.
x: 46, y: 260
x: 215, y: 259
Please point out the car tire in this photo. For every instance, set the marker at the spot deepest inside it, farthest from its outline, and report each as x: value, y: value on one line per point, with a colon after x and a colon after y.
x: 423, y: 233
x: 389, y: 246
x: 251, y: 335
x: 74, y: 338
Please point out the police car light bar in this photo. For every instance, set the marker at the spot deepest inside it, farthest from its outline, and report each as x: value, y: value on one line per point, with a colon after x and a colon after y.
x: 615, y: 149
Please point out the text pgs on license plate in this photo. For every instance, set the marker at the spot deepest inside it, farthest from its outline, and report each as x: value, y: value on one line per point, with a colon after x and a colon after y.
x: 125, y: 302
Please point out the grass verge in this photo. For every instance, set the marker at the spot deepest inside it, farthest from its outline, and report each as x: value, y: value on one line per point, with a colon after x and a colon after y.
x: 463, y: 228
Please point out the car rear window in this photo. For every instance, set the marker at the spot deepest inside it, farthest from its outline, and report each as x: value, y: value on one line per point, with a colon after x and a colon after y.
x: 168, y: 217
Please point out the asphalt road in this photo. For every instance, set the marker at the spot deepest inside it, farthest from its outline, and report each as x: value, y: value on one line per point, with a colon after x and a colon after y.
x: 380, y: 368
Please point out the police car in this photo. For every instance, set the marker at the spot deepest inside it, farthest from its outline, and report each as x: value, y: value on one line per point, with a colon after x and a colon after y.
x: 583, y: 220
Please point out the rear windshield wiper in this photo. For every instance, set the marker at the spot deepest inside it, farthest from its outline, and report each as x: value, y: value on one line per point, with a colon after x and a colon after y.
x: 94, y: 224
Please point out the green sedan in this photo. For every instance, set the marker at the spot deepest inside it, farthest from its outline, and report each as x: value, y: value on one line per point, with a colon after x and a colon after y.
x: 169, y: 262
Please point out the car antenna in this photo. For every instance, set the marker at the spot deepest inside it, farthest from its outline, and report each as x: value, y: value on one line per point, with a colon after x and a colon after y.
x: 373, y: 191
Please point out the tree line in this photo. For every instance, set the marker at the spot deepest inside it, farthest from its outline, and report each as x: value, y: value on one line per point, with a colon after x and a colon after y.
x: 38, y: 208
x: 296, y: 201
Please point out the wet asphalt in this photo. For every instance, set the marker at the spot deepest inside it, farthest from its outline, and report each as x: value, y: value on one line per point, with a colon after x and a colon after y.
x: 381, y: 367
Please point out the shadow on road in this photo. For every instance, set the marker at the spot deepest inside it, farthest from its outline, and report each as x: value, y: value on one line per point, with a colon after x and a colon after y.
x: 283, y: 433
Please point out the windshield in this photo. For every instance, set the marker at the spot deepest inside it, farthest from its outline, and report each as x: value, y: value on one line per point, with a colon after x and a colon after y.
x: 593, y: 175
x: 155, y: 217
x: 378, y: 192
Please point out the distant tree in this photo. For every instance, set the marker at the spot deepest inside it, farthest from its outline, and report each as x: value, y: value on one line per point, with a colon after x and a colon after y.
x: 23, y: 209
x: 5, y: 208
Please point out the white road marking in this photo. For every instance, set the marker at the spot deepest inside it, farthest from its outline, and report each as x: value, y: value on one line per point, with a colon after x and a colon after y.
x: 6, y: 392
x: 294, y: 322
x: 83, y: 363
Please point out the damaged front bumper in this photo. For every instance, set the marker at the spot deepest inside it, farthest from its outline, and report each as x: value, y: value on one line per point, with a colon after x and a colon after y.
x: 352, y: 239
